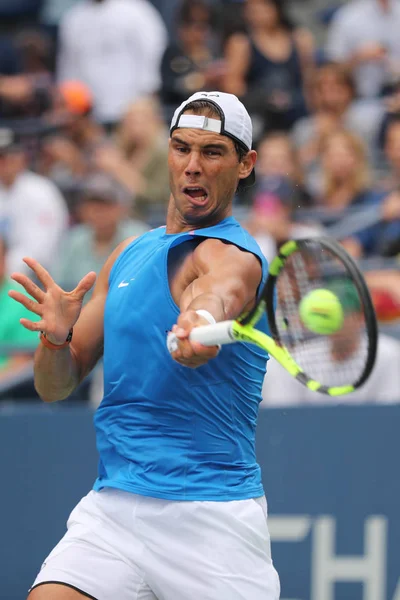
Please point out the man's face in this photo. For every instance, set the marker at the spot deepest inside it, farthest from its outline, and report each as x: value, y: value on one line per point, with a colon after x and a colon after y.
x: 204, y: 173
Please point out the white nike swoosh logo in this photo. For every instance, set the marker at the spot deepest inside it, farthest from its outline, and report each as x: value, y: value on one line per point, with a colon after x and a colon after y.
x: 123, y: 284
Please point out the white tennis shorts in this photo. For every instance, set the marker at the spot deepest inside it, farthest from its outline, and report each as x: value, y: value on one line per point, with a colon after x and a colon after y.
x: 121, y: 546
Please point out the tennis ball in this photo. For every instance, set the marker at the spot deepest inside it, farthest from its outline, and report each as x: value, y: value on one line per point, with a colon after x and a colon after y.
x: 321, y: 312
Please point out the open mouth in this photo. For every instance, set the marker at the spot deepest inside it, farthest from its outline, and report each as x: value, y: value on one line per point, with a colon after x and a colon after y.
x: 197, y: 194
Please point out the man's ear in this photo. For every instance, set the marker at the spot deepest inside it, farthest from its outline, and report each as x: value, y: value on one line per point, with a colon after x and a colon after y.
x: 247, y: 164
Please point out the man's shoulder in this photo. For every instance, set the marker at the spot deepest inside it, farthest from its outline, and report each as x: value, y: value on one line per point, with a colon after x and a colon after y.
x: 216, y: 250
x: 231, y: 232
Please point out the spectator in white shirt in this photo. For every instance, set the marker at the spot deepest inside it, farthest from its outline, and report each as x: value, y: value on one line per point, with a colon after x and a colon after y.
x: 383, y: 386
x: 364, y: 34
x: 33, y: 213
x: 339, y: 359
x: 114, y: 47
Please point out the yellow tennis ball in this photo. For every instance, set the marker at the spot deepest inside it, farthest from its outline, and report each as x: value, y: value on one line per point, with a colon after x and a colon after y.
x: 321, y: 312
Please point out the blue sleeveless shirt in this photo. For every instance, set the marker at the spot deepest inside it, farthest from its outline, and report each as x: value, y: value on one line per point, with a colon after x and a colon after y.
x: 164, y: 430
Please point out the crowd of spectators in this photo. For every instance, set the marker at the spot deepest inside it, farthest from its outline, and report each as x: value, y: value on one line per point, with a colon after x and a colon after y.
x: 87, y: 88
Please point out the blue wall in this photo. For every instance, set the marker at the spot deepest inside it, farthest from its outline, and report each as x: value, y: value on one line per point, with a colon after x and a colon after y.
x: 331, y: 477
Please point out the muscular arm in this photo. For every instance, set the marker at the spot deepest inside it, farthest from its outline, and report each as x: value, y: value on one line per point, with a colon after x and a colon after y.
x: 225, y: 280
x: 221, y: 279
x: 59, y: 372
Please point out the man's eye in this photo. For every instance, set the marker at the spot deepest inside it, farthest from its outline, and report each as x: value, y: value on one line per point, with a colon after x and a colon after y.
x: 182, y: 149
x: 213, y: 153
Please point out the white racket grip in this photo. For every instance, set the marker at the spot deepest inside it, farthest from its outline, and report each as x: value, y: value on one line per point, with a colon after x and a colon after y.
x: 208, y: 335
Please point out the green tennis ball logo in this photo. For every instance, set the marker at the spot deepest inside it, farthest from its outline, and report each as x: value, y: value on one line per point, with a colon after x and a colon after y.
x: 321, y: 312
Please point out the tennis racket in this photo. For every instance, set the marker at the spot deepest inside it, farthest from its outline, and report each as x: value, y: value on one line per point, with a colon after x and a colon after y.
x: 333, y: 364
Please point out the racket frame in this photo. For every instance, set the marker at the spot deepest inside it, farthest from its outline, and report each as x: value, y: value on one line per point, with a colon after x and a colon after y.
x: 268, y: 295
x: 242, y: 329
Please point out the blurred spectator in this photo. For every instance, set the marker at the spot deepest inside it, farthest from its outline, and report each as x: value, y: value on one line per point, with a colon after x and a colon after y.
x: 18, y: 11
x: 52, y: 11
x: 168, y: 10
x: 383, y: 385
x: 26, y: 86
x: 66, y: 157
x: 384, y: 286
x: 18, y: 343
x: 32, y: 210
x: 104, y: 224
x: 332, y: 99
x: 189, y: 64
x: 279, y: 193
x: 342, y: 355
x: 277, y: 156
x: 139, y: 158
x: 10, y: 60
x: 115, y: 48
x: 364, y: 36
x: 382, y: 237
x: 392, y: 108
x: 266, y: 66
x: 10, y: 69
x: 36, y: 51
x: 345, y: 177
x: 391, y: 145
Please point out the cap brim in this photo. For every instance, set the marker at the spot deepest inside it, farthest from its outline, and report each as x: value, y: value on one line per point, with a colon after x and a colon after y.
x: 248, y: 182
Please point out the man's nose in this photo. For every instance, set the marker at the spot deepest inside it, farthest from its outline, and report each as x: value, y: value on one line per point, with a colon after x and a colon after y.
x: 193, y: 166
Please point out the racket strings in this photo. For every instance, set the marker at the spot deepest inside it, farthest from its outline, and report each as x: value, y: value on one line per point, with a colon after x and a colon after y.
x: 332, y: 360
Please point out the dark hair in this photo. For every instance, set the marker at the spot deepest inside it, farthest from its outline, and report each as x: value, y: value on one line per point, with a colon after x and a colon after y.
x: 208, y: 109
x: 283, y: 16
x: 189, y: 7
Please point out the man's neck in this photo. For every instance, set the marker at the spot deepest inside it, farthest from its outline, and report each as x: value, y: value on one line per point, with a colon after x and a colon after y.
x: 177, y: 224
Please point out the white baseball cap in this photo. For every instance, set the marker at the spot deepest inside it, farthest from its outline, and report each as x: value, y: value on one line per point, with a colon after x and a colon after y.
x: 234, y: 121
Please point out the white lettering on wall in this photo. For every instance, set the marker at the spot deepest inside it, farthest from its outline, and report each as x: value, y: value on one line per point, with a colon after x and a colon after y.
x: 328, y: 568
x: 397, y: 592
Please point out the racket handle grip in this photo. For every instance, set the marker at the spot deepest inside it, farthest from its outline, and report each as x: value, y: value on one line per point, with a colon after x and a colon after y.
x: 208, y: 335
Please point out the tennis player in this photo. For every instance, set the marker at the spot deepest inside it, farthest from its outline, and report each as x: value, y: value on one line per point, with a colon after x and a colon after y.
x: 178, y: 510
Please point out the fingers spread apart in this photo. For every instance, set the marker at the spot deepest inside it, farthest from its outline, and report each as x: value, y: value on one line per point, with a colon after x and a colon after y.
x: 30, y: 304
x: 32, y: 289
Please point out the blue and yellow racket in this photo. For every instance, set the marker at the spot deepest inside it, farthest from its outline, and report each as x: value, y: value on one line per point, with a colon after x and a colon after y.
x: 320, y: 314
